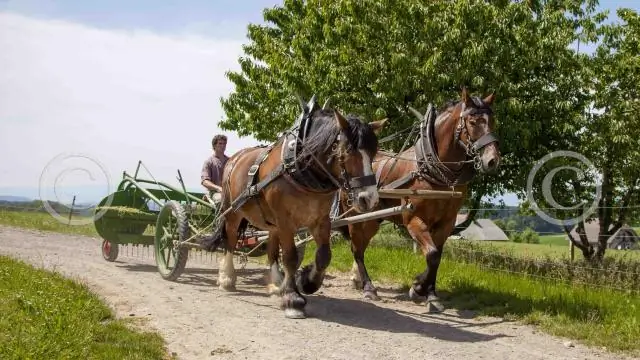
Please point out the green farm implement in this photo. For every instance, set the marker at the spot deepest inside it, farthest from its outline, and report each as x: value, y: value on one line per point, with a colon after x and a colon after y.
x: 143, y: 212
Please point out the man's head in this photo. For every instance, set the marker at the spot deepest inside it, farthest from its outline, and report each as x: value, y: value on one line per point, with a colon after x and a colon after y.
x: 219, y: 144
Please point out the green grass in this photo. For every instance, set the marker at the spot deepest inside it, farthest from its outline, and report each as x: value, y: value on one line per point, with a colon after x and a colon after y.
x: 46, y: 316
x: 594, y: 316
x: 43, y: 221
x: 554, y: 239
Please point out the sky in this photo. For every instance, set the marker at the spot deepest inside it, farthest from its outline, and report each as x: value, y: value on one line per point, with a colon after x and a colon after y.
x: 88, y: 88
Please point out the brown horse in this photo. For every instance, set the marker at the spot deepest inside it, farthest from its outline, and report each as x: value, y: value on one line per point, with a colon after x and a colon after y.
x: 290, y: 185
x: 449, y: 150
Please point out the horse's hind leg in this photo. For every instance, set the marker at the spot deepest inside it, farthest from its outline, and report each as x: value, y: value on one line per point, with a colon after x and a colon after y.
x: 292, y: 302
x: 424, y: 285
x: 361, y: 235
x: 275, y: 276
x: 310, y: 278
x: 227, y: 272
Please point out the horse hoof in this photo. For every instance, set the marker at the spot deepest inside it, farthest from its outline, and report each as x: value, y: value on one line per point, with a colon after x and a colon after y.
x: 272, y: 289
x: 291, y: 313
x: 434, y: 306
x: 413, y: 295
x: 226, y: 285
x: 371, y: 295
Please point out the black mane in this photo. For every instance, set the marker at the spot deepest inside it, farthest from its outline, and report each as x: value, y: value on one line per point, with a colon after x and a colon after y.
x: 324, y: 132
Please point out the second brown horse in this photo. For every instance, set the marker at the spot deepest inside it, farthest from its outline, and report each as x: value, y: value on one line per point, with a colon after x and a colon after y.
x: 451, y: 148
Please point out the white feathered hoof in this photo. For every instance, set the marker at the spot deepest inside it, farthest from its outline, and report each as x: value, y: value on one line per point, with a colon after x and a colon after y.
x: 291, y: 313
x: 226, y: 283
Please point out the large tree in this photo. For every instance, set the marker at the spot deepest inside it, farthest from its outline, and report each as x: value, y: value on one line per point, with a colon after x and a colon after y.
x: 376, y: 58
x: 608, y: 139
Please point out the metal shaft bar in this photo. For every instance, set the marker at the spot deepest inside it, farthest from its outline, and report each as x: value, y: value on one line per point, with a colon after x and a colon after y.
x: 372, y: 215
x: 420, y: 194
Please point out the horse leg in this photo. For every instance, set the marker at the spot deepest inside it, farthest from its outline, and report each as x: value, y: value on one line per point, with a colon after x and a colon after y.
x: 275, y: 276
x: 360, y: 238
x: 423, y: 287
x: 292, y: 302
x: 310, y: 278
x: 227, y: 272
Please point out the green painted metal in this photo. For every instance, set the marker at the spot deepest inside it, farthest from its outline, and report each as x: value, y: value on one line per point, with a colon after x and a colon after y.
x: 128, y: 219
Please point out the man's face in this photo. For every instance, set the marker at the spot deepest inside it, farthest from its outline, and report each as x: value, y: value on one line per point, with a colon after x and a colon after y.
x: 220, y: 147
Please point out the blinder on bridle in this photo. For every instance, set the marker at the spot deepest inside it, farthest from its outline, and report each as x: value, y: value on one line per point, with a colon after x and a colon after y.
x: 349, y: 184
x: 473, y: 147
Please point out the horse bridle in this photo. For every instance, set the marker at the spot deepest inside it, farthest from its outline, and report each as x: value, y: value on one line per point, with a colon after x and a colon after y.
x: 349, y: 184
x: 472, y: 147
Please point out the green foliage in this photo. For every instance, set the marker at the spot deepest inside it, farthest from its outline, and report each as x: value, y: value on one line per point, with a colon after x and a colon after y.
x: 528, y: 236
x: 45, y: 316
x: 373, y: 57
x: 608, y: 138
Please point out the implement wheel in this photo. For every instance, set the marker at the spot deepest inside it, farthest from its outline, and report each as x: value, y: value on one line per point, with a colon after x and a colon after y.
x: 172, y: 225
x: 109, y: 250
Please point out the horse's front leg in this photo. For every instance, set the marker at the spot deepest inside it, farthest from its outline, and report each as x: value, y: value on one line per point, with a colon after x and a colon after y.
x: 310, y: 277
x: 361, y: 235
x: 424, y: 285
x: 292, y: 302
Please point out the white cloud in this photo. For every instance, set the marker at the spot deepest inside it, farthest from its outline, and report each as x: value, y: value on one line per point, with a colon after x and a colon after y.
x: 118, y: 96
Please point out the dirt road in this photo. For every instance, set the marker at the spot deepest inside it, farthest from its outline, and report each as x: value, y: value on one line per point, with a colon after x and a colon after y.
x: 199, y: 321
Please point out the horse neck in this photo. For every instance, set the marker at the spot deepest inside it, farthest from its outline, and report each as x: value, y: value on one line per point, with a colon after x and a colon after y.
x: 446, y: 146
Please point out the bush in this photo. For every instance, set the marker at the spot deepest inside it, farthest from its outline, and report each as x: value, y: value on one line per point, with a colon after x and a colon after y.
x: 528, y: 236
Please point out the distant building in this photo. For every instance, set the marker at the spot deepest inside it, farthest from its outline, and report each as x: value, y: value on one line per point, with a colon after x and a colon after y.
x: 624, y: 238
x: 481, y: 229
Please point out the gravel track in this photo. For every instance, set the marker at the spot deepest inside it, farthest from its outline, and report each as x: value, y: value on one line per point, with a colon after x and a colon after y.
x: 199, y: 321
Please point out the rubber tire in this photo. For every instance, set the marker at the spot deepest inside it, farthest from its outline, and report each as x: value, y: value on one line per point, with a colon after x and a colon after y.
x: 183, y: 233
x: 113, y: 251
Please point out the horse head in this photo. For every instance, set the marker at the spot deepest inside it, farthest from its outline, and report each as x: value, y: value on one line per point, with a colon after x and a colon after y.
x: 475, y: 130
x: 347, y: 145
x: 461, y: 134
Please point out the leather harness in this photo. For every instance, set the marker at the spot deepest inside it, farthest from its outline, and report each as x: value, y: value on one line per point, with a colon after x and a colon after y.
x: 430, y: 168
x: 290, y: 167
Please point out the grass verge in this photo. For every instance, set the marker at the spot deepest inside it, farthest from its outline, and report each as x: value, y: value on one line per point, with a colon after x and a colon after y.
x: 594, y: 316
x: 46, y: 316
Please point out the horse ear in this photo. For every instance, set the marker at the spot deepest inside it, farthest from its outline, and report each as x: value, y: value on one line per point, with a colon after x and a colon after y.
x: 489, y: 99
x: 378, y: 125
x: 465, y: 97
x: 342, y: 122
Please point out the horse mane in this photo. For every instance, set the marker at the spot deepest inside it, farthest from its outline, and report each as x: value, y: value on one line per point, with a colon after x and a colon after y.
x: 324, y: 131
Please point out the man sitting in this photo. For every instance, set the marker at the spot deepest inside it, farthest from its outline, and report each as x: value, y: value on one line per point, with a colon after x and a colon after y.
x: 212, y: 169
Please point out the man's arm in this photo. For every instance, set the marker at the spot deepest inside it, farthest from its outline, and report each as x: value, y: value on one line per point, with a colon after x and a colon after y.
x: 211, y: 186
